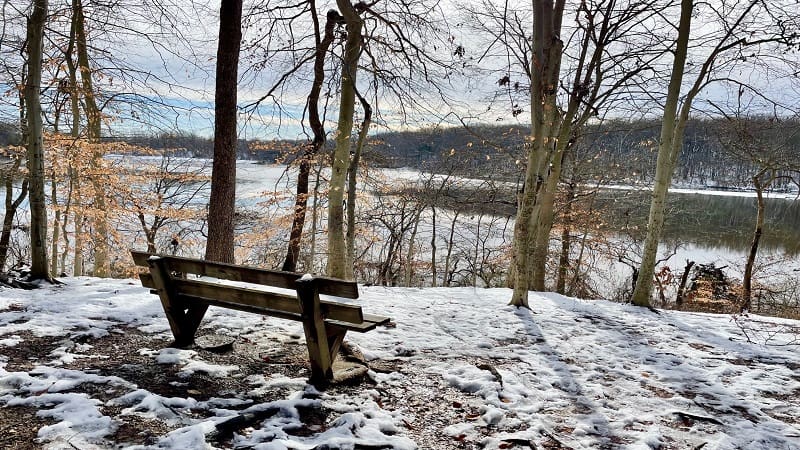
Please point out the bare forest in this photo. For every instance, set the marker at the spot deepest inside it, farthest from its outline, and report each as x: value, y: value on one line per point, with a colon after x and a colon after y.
x: 515, y: 117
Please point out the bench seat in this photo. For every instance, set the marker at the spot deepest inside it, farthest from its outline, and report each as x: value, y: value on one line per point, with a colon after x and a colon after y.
x: 187, y: 287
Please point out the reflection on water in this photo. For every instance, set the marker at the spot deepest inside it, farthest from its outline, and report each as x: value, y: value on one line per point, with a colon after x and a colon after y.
x: 711, y: 221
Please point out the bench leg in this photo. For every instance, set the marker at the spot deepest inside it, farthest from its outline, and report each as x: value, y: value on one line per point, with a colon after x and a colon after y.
x: 183, y: 319
x: 335, y: 339
x: 319, y: 350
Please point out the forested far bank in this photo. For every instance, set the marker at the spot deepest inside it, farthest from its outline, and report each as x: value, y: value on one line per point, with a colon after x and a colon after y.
x: 619, y: 152
x: 622, y: 151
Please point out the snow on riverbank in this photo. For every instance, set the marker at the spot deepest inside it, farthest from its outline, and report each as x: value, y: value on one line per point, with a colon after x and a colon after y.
x: 87, y: 363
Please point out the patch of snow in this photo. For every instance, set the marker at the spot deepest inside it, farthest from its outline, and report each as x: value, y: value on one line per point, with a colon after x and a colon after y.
x: 587, y: 373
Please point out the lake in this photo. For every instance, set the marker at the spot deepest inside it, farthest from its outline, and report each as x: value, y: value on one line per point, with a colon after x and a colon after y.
x: 712, y: 220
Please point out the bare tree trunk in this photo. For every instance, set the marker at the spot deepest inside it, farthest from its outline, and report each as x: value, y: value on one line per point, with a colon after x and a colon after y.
x: 301, y: 199
x: 38, y: 206
x: 563, y: 259
x: 93, y: 128
x: 56, y: 227
x: 312, y: 251
x: 747, y: 280
x: 546, y: 216
x: 409, y: 263
x: 546, y: 58
x: 352, y: 181
x: 576, y: 271
x: 449, y: 254
x: 434, y: 272
x: 222, y: 203
x: 74, y: 176
x: 11, y: 207
x: 669, y: 147
x: 337, y: 256
x: 65, y: 224
x: 679, y: 298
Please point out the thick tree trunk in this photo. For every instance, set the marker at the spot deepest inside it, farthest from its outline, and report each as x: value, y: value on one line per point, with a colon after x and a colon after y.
x: 546, y: 217
x: 38, y: 206
x: 669, y: 148
x: 222, y: 204
x: 546, y: 59
x: 317, y: 127
x: 337, y: 256
x: 93, y: 128
x: 352, y: 182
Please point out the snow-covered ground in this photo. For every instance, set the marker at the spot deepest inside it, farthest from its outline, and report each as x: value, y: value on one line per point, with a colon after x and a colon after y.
x: 84, y: 365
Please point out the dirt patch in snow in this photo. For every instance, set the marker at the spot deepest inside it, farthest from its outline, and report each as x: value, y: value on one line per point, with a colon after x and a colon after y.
x: 19, y: 426
x: 25, y: 357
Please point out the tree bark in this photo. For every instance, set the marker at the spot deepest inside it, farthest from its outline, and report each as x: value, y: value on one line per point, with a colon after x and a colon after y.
x: 566, y: 241
x: 312, y: 252
x: 337, y: 257
x: 352, y: 182
x: 317, y: 127
x: 545, y: 63
x: 74, y: 176
x: 11, y: 207
x: 56, y: 227
x: 669, y: 146
x: 546, y: 216
x: 747, y: 280
x: 93, y: 129
x: 38, y: 206
x: 680, y: 297
x: 449, y: 254
x: 434, y: 271
x: 222, y: 203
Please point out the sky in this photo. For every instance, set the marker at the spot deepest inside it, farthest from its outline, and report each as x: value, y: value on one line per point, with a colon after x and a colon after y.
x: 173, y: 74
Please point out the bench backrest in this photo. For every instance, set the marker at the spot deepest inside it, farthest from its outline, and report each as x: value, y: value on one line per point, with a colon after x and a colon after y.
x: 178, y: 270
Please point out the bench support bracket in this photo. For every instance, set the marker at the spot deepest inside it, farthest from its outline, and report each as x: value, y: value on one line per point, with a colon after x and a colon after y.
x: 184, y: 320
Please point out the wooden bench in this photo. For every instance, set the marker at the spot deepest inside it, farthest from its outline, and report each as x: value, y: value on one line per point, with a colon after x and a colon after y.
x: 186, y: 296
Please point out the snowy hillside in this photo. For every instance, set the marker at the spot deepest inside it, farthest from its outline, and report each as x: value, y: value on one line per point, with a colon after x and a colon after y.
x: 85, y: 366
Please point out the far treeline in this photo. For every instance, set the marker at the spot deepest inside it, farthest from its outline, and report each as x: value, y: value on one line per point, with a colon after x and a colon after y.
x: 621, y: 151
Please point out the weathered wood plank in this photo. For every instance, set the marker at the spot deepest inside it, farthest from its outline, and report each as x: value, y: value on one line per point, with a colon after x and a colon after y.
x: 337, y: 288
x: 235, y: 294
x: 380, y: 320
x: 276, y: 278
x: 147, y: 280
x: 140, y: 258
x: 245, y: 308
x: 264, y: 299
x: 362, y: 327
x: 319, y: 351
x: 341, y: 311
